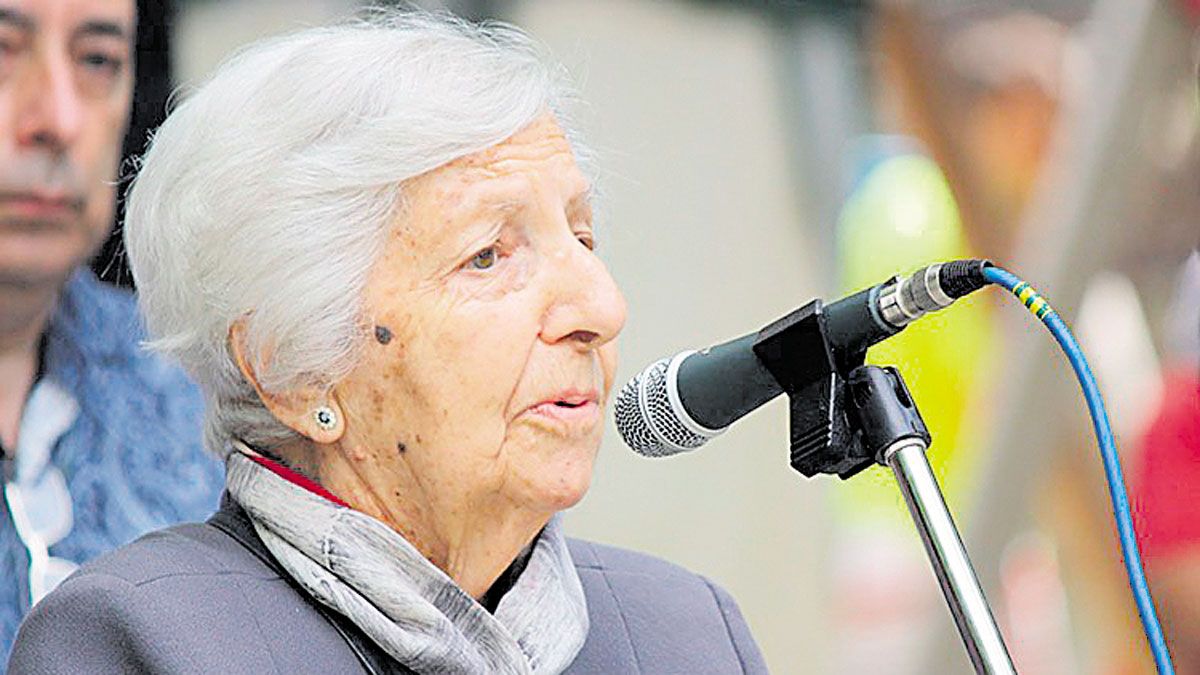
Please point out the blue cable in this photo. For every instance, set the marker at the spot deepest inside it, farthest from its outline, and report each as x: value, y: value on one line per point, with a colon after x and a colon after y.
x: 1108, y: 454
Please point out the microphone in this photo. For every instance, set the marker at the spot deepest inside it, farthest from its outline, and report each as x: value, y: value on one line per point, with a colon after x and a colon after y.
x: 679, y: 403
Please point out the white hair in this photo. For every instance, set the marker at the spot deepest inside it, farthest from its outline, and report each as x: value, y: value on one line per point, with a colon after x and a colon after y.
x: 264, y: 196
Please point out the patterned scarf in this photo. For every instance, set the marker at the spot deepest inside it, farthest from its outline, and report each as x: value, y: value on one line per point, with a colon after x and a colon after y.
x: 363, y: 569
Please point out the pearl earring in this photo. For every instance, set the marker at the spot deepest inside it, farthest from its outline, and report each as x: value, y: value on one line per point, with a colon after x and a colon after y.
x: 326, y: 418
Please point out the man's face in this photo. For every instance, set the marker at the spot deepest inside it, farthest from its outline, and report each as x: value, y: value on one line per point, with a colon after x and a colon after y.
x: 66, y: 80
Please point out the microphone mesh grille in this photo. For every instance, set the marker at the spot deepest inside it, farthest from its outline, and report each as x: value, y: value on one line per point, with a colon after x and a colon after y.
x: 653, y: 431
x: 630, y: 421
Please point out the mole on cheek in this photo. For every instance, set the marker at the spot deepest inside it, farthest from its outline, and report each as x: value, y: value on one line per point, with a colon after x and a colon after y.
x: 383, y: 334
x: 400, y: 447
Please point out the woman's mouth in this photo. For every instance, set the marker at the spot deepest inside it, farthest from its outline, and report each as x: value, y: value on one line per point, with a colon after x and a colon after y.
x: 580, y: 409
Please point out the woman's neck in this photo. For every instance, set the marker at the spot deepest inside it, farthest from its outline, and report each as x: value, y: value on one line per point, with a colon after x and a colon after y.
x: 472, y: 540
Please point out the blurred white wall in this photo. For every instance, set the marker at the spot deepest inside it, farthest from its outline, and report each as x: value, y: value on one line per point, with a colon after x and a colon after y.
x: 207, y: 32
x: 700, y: 228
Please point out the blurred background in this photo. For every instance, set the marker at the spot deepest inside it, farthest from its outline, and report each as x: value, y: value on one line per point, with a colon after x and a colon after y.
x: 757, y: 154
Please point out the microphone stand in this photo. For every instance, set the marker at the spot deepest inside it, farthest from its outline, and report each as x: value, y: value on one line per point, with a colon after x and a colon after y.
x: 846, y: 416
x: 905, y: 455
x: 950, y: 562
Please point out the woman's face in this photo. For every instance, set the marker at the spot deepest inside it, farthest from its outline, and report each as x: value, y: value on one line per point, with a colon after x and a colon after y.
x: 492, y: 351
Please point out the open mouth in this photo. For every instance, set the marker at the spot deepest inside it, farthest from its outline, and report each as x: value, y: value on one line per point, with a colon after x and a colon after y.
x: 575, y: 410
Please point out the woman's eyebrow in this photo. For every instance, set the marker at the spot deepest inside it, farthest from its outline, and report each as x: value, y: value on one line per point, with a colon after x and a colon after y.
x: 505, y: 205
x: 581, y: 202
x: 491, y: 197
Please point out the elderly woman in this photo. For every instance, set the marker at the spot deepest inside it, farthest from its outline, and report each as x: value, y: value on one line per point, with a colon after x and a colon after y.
x: 373, y: 247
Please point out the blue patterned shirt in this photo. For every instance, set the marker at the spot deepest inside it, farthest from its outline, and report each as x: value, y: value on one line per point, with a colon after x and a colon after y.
x: 132, y: 458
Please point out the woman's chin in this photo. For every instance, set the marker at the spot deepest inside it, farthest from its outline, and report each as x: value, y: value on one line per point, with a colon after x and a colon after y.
x: 560, y: 486
x: 568, y: 496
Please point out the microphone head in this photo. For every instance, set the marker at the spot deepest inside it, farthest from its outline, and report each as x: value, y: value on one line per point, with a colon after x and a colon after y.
x: 650, y: 415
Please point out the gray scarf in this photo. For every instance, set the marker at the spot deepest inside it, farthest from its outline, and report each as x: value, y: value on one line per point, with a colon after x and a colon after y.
x: 364, y: 570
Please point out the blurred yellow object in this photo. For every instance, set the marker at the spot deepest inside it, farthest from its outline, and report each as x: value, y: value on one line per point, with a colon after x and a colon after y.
x: 901, y: 216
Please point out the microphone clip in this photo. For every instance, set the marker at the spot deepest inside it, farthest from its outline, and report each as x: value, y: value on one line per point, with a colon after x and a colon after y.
x: 843, y: 414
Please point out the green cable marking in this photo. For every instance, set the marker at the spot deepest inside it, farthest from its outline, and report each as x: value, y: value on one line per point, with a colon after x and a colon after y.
x: 1032, y: 300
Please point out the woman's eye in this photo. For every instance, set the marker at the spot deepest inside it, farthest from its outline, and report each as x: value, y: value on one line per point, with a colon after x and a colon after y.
x: 587, y: 240
x: 483, y: 260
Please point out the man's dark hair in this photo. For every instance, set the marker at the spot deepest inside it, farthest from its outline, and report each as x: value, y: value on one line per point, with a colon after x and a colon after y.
x: 151, y: 89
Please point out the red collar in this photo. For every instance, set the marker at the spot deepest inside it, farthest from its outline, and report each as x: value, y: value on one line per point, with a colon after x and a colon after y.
x: 297, y: 478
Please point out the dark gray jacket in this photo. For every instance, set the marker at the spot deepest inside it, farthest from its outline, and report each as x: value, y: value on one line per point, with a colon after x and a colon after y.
x: 209, y: 598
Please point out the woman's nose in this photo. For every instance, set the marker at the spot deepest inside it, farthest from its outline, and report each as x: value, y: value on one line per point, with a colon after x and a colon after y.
x: 586, y: 307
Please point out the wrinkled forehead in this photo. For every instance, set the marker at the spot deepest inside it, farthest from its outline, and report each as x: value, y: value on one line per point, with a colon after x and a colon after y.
x: 78, y: 18
x: 536, y: 162
x: 541, y: 148
x: 541, y: 139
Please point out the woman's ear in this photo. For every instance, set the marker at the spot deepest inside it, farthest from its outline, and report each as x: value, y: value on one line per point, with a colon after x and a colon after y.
x: 308, y: 410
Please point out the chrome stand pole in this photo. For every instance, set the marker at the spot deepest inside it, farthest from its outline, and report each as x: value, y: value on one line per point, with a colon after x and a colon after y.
x: 972, y: 615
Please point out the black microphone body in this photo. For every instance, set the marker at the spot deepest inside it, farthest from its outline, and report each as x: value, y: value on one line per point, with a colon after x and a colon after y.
x: 721, y: 384
x: 678, y: 404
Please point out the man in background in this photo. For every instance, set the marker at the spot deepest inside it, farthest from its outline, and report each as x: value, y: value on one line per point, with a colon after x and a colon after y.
x: 99, y: 441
